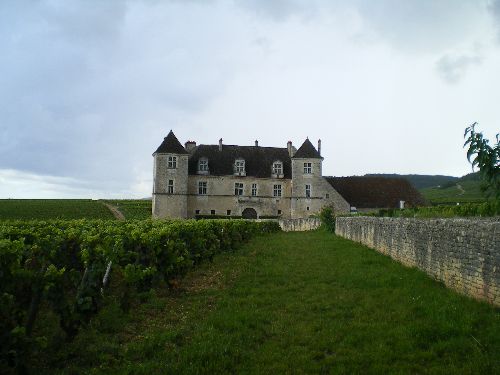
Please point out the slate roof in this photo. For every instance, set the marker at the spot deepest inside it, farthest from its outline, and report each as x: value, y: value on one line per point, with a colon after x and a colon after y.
x: 307, y: 150
x: 171, y: 144
x: 258, y: 160
x: 376, y: 192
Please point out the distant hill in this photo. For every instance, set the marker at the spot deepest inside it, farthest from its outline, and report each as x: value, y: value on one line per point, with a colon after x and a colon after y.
x: 421, y: 181
x: 463, y: 190
x: 441, y: 189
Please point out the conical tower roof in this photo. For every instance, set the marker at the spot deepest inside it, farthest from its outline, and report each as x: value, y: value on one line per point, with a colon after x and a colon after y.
x: 307, y: 150
x: 171, y: 145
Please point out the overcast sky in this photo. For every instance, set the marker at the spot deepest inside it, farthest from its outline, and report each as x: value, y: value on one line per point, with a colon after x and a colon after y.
x: 88, y: 89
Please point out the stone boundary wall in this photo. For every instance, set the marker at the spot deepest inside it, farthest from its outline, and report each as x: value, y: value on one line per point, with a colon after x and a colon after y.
x: 463, y: 253
x: 299, y: 225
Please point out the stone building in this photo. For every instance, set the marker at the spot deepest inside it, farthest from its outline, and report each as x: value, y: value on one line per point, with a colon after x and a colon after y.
x: 240, y: 181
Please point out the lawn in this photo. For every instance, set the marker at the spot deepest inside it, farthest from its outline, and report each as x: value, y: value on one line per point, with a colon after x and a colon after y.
x: 45, y: 209
x: 291, y: 303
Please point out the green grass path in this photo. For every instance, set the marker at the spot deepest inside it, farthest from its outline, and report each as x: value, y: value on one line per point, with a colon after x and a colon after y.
x: 297, y: 303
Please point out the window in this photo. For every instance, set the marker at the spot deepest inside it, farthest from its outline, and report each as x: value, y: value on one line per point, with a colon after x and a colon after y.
x: 277, y: 190
x: 327, y: 196
x: 203, y: 165
x: 170, y: 187
x: 197, y: 212
x: 172, y: 162
x: 239, y: 166
x: 254, y: 190
x: 212, y: 212
x: 307, y: 168
x: 308, y: 191
x: 238, y: 188
x: 228, y: 212
x: 277, y: 167
x: 279, y: 212
x: 202, y: 187
x: 307, y: 208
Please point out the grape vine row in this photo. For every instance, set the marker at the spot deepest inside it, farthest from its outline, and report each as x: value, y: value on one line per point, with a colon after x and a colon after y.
x: 66, y: 267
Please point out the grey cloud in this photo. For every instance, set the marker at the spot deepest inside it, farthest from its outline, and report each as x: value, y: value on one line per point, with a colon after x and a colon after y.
x: 411, y: 26
x: 495, y: 12
x: 88, y: 85
x: 89, y: 88
x: 279, y: 10
x: 452, y: 68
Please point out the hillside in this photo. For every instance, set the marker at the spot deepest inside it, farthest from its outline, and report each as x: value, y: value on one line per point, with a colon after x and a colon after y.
x: 440, y: 189
x: 463, y: 190
x: 420, y: 181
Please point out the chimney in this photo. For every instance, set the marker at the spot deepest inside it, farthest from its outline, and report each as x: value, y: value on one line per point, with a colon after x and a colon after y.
x: 289, y: 147
x: 319, y: 146
x: 190, y: 145
x: 220, y: 144
x: 256, y: 143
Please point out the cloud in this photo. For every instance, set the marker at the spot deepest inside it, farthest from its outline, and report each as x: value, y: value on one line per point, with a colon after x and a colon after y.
x: 280, y: 10
x: 494, y: 9
x: 89, y: 89
x: 452, y: 68
x: 25, y: 185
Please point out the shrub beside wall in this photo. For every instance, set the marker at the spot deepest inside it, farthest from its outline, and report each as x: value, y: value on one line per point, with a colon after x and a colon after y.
x: 463, y: 253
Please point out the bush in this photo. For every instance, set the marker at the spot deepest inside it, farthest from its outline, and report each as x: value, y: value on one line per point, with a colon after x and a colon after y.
x: 327, y: 219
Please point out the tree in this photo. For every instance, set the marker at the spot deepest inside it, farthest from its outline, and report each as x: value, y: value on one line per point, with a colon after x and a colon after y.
x: 485, y: 157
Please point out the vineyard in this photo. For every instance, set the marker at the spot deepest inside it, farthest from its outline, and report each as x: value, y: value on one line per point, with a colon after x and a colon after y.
x: 29, y: 209
x: 486, y: 209
x: 133, y: 208
x: 69, y: 269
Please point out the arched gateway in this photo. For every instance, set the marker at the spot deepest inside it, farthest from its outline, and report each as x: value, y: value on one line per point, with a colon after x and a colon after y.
x: 249, y: 213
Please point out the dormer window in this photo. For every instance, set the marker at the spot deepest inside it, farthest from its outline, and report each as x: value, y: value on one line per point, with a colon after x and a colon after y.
x: 203, y: 166
x: 278, y: 169
x: 239, y: 167
x: 172, y: 162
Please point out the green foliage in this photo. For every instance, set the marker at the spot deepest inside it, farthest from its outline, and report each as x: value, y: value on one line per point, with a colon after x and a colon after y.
x: 486, y: 209
x: 47, y: 209
x: 58, y: 267
x: 327, y: 219
x: 297, y: 303
x: 485, y: 157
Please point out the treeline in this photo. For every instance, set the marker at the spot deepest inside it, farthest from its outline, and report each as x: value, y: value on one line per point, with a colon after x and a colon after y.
x: 69, y: 269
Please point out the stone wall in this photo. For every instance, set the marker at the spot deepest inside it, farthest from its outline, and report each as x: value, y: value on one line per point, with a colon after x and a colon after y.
x: 299, y: 225
x: 463, y: 253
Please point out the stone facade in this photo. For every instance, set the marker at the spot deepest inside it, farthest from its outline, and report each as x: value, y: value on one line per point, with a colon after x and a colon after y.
x: 463, y: 253
x: 187, y: 190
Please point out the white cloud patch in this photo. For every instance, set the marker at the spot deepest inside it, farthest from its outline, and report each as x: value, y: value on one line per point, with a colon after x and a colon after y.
x: 25, y: 185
